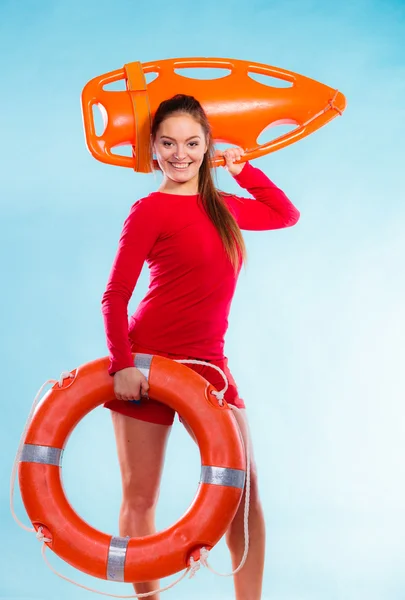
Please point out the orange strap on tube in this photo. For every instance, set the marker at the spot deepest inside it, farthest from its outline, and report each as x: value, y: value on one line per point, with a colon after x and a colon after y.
x: 139, y: 95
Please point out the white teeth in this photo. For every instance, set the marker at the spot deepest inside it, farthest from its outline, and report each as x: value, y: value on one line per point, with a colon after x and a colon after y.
x: 180, y: 165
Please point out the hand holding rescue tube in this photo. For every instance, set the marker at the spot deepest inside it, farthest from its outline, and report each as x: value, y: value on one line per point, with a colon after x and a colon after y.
x: 239, y: 108
x: 232, y: 156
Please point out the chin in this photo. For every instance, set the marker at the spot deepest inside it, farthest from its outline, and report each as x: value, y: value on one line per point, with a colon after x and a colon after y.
x: 182, y: 177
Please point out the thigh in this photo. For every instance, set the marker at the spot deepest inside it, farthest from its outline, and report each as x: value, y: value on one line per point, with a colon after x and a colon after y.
x: 242, y: 421
x: 141, y: 448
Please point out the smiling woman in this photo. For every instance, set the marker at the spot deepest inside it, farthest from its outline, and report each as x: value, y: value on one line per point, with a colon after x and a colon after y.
x: 181, y: 153
x: 189, y: 233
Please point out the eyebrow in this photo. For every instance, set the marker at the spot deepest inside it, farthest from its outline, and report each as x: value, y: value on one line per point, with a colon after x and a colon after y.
x: 170, y: 138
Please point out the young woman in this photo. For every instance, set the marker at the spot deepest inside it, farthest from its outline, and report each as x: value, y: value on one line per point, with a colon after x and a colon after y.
x: 189, y: 233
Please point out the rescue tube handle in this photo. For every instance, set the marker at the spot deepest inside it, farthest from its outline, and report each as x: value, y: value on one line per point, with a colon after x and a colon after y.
x: 93, y: 94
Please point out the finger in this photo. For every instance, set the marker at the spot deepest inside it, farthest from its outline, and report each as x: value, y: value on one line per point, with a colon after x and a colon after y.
x: 234, y: 154
x: 144, y: 388
x: 129, y: 397
x: 121, y: 398
x: 237, y: 150
x: 229, y: 159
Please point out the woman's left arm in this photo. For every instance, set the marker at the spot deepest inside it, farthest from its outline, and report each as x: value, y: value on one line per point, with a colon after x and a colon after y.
x: 270, y: 208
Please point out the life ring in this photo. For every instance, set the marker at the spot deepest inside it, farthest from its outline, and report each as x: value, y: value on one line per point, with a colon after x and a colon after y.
x: 166, y: 552
x: 238, y: 106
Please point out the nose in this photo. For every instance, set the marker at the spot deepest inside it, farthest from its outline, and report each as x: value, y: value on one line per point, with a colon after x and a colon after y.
x: 180, y: 153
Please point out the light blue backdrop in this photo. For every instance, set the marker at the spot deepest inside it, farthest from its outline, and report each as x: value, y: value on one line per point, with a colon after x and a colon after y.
x: 317, y: 326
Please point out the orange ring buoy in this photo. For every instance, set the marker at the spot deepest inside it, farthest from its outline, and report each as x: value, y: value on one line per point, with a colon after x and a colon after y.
x: 163, y: 553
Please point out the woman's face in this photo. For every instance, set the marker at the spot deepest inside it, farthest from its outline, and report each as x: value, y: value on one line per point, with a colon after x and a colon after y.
x: 180, y: 146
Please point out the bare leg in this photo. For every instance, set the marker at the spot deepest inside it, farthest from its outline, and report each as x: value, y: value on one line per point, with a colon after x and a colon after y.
x: 248, y: 582
x: 141, y: 450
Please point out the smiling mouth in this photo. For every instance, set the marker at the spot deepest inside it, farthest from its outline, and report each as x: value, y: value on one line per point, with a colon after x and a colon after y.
x: 180, y: 166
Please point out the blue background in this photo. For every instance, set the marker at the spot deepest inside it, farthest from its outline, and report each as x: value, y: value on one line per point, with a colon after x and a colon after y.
x: 317, y: 325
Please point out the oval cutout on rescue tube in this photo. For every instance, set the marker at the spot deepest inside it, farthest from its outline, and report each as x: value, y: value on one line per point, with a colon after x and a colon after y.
x: 202, y: 73
x: 274, y: 131
x: 270, y: 81
x: 116, y: 86
x: 122, y: 150
x: 100, y: 119
x: 149, y: 77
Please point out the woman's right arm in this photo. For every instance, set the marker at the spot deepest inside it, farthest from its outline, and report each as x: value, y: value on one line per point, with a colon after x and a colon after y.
x: 140, y: 232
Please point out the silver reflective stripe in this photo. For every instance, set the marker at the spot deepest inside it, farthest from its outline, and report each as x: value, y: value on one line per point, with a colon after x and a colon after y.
x: 116, y: 558
x: 142, y: 362
x: 223, y: 476
x: 47, y: 455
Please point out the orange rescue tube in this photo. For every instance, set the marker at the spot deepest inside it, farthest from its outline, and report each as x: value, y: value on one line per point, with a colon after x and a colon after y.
x: 239, y: 108
x: 151, y: 557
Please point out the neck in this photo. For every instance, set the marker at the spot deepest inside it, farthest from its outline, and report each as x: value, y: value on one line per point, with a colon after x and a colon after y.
x: 188, y: 188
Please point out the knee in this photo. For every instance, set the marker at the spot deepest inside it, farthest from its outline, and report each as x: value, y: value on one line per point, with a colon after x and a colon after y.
x: 138, y: 499
x: 138, y: 504
x: 236, y: 528
x: 254, y: 499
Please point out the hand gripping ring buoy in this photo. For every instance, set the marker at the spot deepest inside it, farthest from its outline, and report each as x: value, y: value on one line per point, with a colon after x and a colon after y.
x: 239, y: 107
x: 122, y: 558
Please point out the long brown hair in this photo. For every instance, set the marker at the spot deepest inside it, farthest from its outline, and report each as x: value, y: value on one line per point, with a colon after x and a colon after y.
x: 212, y: 201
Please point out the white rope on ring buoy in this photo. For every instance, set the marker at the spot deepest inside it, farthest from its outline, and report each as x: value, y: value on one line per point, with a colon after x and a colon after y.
x: 220, y: 396
x: 195, y: 565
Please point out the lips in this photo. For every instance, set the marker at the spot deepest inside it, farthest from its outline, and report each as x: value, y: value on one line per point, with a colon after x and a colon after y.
x: 180, y: 166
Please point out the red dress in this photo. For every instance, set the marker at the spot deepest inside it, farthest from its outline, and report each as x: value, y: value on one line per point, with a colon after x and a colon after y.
x: 192, y: 282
